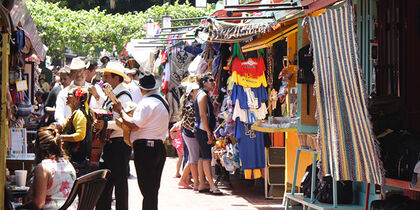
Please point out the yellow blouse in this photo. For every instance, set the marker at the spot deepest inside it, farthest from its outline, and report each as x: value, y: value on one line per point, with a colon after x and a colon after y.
x: 79, y: 123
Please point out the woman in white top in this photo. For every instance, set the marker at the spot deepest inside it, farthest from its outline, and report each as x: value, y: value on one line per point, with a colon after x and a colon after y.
x: 54, y: 175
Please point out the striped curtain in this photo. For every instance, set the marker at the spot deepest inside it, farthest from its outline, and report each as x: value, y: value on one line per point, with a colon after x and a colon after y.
x: 349, y: 150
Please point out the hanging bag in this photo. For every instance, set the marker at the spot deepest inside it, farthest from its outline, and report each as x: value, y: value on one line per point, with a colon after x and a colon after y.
x: 304, y: 73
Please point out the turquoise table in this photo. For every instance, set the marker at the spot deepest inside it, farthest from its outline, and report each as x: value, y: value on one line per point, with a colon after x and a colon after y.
x: 311, y: 202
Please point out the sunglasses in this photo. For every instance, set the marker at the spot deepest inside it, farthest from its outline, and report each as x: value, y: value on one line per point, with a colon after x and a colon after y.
x: 210, y: 80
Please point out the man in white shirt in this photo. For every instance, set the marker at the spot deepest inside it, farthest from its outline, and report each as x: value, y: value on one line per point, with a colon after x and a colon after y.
x: 77, y: 72
x: 149, y: 127
x: 50, y: 104
x: 116, y: 153
x: 133, y: 86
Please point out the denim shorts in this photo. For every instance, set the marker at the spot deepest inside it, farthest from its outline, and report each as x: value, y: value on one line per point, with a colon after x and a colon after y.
x: 205, y: 149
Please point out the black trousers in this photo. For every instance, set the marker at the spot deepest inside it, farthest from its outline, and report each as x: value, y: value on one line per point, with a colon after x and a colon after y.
x: 116, y: 156
x: 149, y: 159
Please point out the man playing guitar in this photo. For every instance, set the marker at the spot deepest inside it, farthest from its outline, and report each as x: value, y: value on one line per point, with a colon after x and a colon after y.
x: 116, y: 153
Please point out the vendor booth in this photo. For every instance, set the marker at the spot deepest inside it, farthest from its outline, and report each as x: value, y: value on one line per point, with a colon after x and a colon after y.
x: 22, y: 51
x: 296, y: 91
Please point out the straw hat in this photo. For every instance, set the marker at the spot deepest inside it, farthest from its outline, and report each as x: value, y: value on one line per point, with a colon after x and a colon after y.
x: 116, y: 68
x: 77, y: 63
x: 190, y: 79
x: 129, y: 71
x: 65, y: 69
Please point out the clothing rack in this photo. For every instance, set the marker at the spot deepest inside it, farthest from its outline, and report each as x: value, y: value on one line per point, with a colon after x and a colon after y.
x: 262, y: 5
x: 269, y: 9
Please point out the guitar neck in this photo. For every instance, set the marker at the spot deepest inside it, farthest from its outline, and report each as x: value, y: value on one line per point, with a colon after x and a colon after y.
x: 111, y: 95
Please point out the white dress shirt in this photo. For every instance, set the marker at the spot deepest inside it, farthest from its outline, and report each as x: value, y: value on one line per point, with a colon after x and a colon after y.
x: 125, y: 102
x: 135, y: 91
x: 102, y: 97
x: 151, y: 117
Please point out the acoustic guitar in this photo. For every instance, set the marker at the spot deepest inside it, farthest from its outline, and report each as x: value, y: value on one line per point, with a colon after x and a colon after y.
x: 126, y: 130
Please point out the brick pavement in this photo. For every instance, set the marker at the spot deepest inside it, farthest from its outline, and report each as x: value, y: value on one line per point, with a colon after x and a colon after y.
x: 245, y: 195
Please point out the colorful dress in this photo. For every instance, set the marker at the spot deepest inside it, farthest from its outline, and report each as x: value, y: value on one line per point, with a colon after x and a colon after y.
x: 59, y: 186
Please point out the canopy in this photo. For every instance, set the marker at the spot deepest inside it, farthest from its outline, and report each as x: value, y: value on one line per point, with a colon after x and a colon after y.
x: 272, y: 37
x: 20, y: 13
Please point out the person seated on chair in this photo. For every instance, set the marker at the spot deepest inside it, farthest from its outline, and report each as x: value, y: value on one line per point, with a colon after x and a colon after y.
x: 54, y: 175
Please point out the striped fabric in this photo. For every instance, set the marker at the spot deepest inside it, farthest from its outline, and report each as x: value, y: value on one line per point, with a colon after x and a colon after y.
x: 349, y: 149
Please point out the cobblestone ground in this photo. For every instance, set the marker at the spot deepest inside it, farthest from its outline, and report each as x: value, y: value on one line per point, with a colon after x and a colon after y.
x: 244, y: 196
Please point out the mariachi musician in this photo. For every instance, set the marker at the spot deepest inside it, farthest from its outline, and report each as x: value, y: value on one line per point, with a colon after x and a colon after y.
x: 116, y: 153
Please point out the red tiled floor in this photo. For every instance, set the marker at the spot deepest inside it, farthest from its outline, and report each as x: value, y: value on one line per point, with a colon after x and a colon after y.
x: 244, y: 196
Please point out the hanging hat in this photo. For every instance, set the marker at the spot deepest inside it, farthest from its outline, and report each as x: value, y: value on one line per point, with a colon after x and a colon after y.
x: 77, y: 63
x: 116, y: 68
x: 148, y: 81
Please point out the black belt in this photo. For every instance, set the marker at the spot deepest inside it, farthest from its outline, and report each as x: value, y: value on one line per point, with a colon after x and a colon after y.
x: 115, y: 139
x: 148, y: 142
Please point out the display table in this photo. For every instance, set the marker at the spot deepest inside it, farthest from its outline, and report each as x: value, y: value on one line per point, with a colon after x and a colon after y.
x: 17, y: 162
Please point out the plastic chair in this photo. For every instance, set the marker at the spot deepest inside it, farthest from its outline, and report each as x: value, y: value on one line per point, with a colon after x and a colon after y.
x: 88, y: 187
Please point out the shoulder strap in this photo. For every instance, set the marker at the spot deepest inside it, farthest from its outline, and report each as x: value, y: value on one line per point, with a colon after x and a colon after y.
x: 108, y: 101
x: 124, y: 92
x: 161, y: 99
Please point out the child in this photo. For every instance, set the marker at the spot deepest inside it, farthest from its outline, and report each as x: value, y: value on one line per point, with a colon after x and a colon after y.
x: 177, y: 143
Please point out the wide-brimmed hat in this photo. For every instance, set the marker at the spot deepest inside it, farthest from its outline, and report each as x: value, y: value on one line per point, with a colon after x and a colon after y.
x: 116, y: 68
x: 77, y: 63
x: 191, y: 87
x: 65, y: 69
x: 189, y: 79
x: 148, y: 81
x: 130, y: 71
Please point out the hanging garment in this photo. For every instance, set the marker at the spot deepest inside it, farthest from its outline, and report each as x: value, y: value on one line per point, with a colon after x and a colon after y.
x: 249, y: 115
x: 249, y: 97
x: 252, y: 67
x: 348, y: 144
x: 166, y: 78
x: 179, y: 61
x: 251, y: 146
x: 247, y: 81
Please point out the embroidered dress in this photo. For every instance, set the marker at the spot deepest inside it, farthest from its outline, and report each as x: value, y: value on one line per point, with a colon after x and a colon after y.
x: 59, y: 186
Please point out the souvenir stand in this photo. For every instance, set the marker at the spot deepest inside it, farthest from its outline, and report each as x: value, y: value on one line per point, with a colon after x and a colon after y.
x: 20, y: 41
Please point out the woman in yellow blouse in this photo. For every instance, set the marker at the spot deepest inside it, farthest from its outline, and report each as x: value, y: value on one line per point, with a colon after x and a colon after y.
x: 77, y: 130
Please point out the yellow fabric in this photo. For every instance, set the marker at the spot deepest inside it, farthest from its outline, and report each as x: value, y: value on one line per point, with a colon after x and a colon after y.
x: 230, y: 82
x: 79, y: 123
x: 270, y: 38
x: 249, y: 81
x: 250, y: 172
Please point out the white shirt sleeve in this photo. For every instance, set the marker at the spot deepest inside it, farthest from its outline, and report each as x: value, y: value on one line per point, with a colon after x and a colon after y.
x: 60, y: 106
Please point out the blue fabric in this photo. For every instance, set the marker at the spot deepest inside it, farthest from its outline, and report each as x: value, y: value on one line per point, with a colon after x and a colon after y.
x: 239, y: 93
x: 251, y: 146
x: 216, y: 63
x: 193, y: 50
x: 188, y: 133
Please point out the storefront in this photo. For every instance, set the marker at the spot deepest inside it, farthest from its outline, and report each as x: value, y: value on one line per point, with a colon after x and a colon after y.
x: 22, y: 51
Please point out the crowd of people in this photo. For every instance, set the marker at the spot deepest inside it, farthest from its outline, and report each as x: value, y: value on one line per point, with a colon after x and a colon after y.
x: 139, y: 120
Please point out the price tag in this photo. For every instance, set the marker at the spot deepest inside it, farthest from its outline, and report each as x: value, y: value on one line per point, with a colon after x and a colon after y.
x: 21, y: 85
